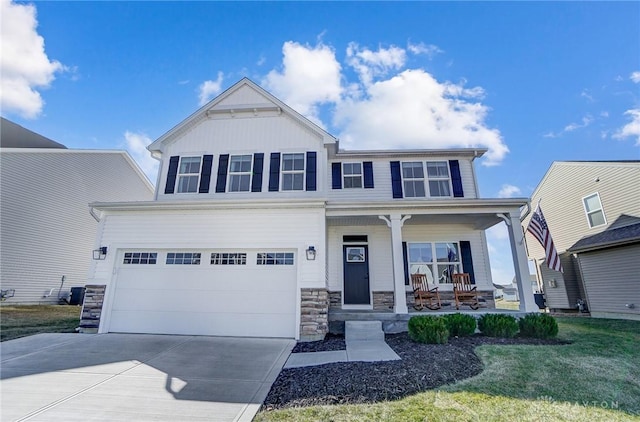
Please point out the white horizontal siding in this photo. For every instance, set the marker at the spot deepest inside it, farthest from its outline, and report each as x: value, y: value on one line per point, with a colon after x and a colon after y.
x: 47, y: 231
x: 380, y: 259
x: 382, y: 190
x: 561, y: 199
x: 235, y: 229
x: 612, y: 280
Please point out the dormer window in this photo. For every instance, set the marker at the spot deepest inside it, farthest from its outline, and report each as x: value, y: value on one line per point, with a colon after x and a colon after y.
x: 188, y: 174
x: 292, y: 172
x: 352, y: 174
x: 240, y: 173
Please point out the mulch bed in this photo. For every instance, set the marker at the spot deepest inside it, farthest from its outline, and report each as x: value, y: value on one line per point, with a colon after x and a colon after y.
x: 422, y: 367
x: 331, y: 343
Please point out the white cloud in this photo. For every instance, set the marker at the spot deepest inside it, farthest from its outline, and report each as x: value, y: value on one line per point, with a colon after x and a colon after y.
x: 413, y: 110
x: 631, y: 129
x: 136, y: 144
x: 509, y: 191
x: 209, y: 89
x: 586, y: 121
x: 585, y: 94
x: 370, y: 64
x: 635, y: 77
x: 310, y: 77
x: 429, y: 50
x: 24, y: 65
x: 387, y: 106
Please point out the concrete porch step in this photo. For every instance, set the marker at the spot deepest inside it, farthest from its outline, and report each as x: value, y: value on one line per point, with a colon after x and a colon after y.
x: 363, y: 330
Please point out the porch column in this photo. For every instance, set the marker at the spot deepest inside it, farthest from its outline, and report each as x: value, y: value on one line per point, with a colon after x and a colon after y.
x: 395, y: 223
x: 520, y: 263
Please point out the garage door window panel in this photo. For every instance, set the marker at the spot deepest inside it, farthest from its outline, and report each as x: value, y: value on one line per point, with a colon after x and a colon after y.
x: 145, y: 258
x: 231, y: 258
x: 275, y: 258
x: 183, y: 258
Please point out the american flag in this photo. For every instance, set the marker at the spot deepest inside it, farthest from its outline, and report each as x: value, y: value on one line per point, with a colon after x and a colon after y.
x: 539, y: 229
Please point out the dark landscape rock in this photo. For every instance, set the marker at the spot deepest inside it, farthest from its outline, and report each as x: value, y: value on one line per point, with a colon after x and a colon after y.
x: 422, y: 367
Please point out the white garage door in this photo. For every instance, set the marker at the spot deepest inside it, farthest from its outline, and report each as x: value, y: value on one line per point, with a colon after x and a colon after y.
x: 250, y: 293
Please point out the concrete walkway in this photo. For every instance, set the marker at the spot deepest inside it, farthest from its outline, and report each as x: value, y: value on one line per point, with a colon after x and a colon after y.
x: 137, y: 377
x: 364, y: 341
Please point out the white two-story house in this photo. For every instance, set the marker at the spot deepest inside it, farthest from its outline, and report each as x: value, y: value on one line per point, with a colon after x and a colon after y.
x: 261, y: 226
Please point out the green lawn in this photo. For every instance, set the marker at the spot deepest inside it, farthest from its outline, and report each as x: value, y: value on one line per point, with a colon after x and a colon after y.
x: 25, y: 320
x: 596, y: 378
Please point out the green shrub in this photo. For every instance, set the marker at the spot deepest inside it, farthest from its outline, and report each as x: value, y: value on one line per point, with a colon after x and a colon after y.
x: 538, y: 326
x: 460, y: 325
x: 498, y: 325
x: 428, y: 329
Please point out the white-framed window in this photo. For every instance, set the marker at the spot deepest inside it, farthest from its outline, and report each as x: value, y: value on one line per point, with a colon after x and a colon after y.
x: 183, y: 258
x: 240, y: 173
x: 437, y: 260
x: 145, y: 258
x: 439, y: 180
x: 593, y: 208
x: 275, y: 258
x: 188, y: 174
x: 413, y: 179
x: 292, y: 171
x: 352, y: 175
x: 228, y: 258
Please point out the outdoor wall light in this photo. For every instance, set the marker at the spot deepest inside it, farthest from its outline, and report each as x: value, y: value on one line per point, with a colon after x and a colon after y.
x: 100, y: 253
x: 311, y: 253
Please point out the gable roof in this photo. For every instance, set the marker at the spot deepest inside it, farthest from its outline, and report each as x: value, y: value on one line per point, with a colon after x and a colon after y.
x: 217, y: 105
x: 625, y: 230
x: 12, y: 135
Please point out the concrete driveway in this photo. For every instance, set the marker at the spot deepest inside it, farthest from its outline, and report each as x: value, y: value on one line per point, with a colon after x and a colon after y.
x: 137, y: 377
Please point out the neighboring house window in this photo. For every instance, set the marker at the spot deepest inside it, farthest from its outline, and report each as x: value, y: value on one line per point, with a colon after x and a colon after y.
x: 292, y: 171
x: 188, y: 174
x: 240, y: 173
x: 413, y: 179
x: 183, y: 258
x: 275, y: 258
x: 438, y: 261
x: 593, y: 208
x: 140, y: 258
x: 352, y: 175
x: 225, y: 258
x: 438, y: 175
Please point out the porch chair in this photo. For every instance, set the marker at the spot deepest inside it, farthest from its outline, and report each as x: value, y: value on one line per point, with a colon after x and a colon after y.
x: 464, y: 292
x: 424, y: 296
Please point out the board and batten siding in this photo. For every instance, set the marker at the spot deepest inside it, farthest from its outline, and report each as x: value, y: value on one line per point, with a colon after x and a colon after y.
x: 612, y: 281
x: 246, y: 134
x: 222, y: 230
x: 561, y: 196
x: 382, y: 190
x: 47, y: 231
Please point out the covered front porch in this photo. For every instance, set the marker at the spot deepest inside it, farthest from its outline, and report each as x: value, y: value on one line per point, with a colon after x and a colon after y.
x: 385, y: 238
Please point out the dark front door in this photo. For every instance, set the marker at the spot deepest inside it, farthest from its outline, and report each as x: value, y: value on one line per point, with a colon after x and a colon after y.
x: 356, y: 275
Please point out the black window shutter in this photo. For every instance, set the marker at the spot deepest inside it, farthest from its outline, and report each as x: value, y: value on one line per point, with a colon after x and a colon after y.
x: 456, y: 180
x: 171, y: 174
x: 336, y: 175
x: 274, y: 172
x: 223, y: 163
x: 396, y: 179
x: 467, y: 261
x: 405, y: 260
x: 311, y: 171
x: 367, y: 168
x: 256, y: 180
x: 205, y: 174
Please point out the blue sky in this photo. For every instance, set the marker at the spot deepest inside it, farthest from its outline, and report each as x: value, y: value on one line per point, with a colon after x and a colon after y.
x: 533, y: 82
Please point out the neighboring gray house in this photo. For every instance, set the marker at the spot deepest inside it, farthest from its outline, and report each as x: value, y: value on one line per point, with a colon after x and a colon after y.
x: 591, y: 208
x: 46, y: 229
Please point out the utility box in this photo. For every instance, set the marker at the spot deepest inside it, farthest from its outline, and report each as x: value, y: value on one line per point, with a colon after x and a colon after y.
x: 77, y: 296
